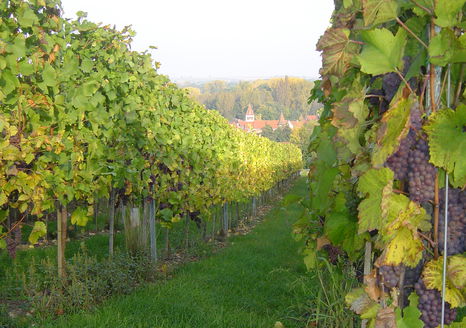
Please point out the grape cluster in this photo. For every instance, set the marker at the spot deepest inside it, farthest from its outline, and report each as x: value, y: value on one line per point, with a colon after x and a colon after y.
x: 430, y: 305
x: 390, y: 84
x: 391, y: 275
x: 398, y: 162
x: 456, y: 221
x: 421, y: 174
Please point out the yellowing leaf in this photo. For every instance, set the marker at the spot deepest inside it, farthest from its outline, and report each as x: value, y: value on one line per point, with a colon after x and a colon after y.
x: 375, y: 184
x: 79, y: 216
x: 457, y: 271
x: 432, y: 276
x: 393, y: 128
x: 404, y: 248
x: 38, y: 231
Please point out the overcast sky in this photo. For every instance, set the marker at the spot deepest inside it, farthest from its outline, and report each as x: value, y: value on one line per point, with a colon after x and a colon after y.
x: 212, y: 39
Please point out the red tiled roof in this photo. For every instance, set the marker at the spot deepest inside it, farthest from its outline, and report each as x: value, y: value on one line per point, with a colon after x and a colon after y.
x: 257, y: 124
x: 311, y: 118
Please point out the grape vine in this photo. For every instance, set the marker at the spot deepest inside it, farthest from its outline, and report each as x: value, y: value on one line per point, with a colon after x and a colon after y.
x: 392, y: 127
x: 82, y: 115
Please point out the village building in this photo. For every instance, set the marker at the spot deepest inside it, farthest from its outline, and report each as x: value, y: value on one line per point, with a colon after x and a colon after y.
x: 250, y: 124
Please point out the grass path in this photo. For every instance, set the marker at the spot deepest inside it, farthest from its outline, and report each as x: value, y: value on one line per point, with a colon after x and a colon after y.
x: 252, y: 283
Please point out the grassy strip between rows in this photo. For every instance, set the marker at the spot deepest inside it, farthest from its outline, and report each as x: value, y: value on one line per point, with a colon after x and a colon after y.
x: 255, y: 282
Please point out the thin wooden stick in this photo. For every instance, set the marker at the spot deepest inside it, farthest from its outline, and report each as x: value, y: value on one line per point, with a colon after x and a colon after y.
x: 427, y: 10
x: 403, y: 25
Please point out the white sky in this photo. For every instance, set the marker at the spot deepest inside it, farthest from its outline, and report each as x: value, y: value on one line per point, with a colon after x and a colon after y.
x: 213, y: 39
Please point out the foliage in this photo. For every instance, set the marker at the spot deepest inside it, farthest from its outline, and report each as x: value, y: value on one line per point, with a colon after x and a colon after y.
x: 280, y: 134
x: 82, y: 114
x: 380, y: 69
x: 269, y: 98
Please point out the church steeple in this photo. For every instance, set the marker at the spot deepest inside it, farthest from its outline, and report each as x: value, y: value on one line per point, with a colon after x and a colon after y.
x: 281, y: 120
x: 249, y: 114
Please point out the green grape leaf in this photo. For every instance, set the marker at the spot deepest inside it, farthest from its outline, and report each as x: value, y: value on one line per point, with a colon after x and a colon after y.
x: 39, y: 230
x: 49, y: 75
x: 166, y: 214
x: 446, y: 131
x: 411, y: 314
x: 341, y: 229
x: 80, y: 217
x: 393, y: 128
x: 8, y: 82
x: 326, y: 150
x: 291, y: 199
x: 337, y: 51
x: 322, y: 186
x: 349, y: 116
x: 379, y: 11
x: 28, y: 18
x: 347, y: 3
x: 382, y: 52
x: 310, y: 257
x: 429, y: 4
x: 446, y: 12
x: 432, y: 277
x: 2, y: 243
x: 446, y: 48
x: 375, y: 184
x: 335, y: 227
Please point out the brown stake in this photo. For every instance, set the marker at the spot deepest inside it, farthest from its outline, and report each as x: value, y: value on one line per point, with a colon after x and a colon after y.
x: 61, y: 239
x: 432, y: 73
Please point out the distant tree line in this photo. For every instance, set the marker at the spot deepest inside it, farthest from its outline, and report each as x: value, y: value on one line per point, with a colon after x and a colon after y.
x: 268, y: 98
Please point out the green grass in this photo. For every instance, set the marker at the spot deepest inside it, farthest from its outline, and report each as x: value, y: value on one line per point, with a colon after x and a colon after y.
x: 254, y: 282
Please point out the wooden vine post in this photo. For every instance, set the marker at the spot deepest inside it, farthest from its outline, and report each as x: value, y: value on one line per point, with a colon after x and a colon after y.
x: 111, y: 223
x: 62, y: 216
x: 152, y: 232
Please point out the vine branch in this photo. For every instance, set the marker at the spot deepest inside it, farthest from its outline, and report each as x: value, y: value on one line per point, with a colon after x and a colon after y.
x: 403, y: 25
x: 427, y: 10
x: 404, y: 80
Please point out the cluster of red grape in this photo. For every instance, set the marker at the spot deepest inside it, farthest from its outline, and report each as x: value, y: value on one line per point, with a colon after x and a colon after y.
x: 456, y: 239
x: 430, y: 305
x: 391, y: 275
x: 421, y: 173
x: 398, y: 162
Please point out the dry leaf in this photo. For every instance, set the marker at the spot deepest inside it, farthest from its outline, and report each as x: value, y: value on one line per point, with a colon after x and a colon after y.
x: 372, y: 287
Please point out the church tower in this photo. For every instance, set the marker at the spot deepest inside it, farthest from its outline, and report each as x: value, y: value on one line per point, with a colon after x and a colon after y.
x: 281, y: 120
x: 249, y: 114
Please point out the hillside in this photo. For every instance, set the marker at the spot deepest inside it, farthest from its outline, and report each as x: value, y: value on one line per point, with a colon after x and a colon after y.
x: 268, y: 97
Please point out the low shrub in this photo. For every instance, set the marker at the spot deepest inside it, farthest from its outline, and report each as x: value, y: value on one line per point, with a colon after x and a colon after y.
x: 88, y: 282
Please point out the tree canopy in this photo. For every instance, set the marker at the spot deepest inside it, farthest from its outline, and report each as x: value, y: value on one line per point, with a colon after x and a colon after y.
x: 268, y: 97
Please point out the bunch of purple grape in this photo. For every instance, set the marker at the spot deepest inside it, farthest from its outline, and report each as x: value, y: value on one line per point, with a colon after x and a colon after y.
x: 398, y: 162
x: 456, y: 239
x: 430, y: 305
x: 421, y: 174
x: 391, y: 275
